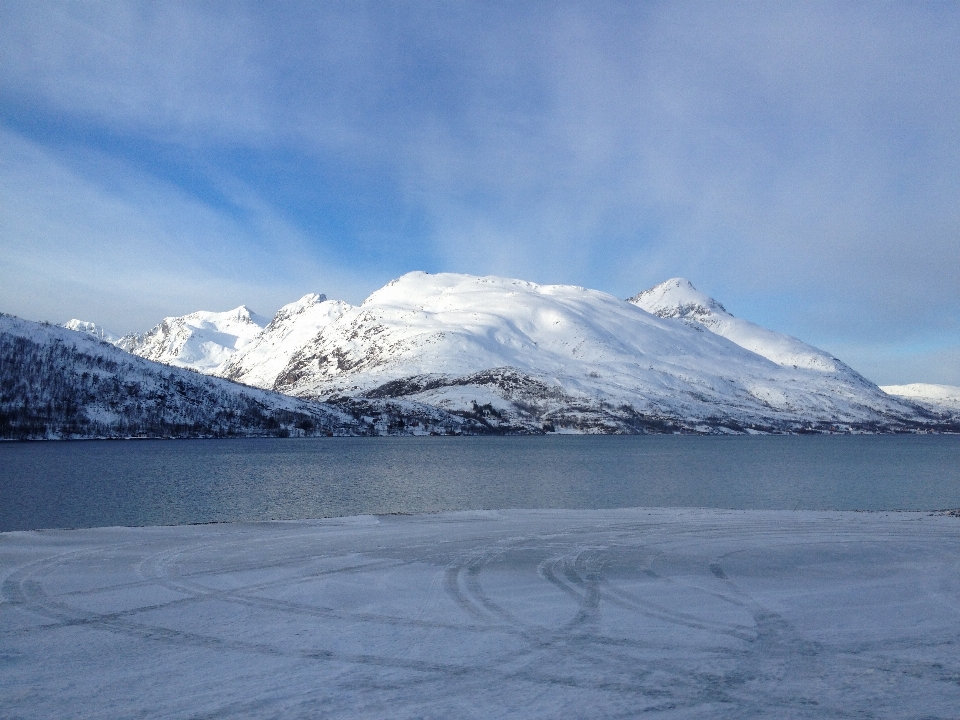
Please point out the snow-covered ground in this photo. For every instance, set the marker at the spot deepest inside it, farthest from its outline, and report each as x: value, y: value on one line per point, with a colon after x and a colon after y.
x: 526, y: 614
x: 939, y: 398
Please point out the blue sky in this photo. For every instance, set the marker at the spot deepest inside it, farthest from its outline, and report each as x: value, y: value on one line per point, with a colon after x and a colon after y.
x: 800, y: 163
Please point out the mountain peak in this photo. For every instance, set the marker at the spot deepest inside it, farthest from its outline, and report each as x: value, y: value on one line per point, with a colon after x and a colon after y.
x: 293, y: 327
x: 677, y: 298
x: 306, y: 301
x: 297, y: 307
x: 85, y: 326
x: 201, y: 340
x: 241, y: 314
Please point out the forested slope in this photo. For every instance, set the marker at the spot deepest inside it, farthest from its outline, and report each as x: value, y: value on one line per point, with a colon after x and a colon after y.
x: 58, y: 383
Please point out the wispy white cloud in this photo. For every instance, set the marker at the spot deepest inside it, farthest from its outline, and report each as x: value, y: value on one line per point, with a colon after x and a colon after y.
x: 171, y: 68
x: 801, y: 162
x: 122, y: 247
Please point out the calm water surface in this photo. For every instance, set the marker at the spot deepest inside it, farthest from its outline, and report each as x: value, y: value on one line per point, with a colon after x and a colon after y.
x: 101, y: 483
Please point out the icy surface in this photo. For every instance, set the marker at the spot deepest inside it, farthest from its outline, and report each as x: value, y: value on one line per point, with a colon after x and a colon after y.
x: 525, y: 614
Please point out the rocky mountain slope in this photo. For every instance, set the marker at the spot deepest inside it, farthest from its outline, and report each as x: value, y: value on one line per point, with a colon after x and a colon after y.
x: 58, y: 383
x: 265, y: 357
x: 201, y: 340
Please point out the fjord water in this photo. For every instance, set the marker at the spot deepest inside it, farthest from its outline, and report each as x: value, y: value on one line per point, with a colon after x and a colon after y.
x: 106, y: 483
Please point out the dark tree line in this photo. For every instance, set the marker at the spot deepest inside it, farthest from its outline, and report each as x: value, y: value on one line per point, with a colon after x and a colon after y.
x: 50, y: 388
x: 54, y: 389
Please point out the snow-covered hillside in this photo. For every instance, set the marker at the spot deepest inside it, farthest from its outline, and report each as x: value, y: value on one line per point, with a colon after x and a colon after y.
x: 577, y: 359
x: 201, y: 340
x: 265, y: 356
x: 90, y: 328
x: 943, y: 399
x: 55, y: 382
x: 60, y: 383
x: 677, y: 299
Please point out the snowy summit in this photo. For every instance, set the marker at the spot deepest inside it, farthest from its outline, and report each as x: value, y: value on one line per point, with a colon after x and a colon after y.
x: 570, y: 357
x: 201, y: 340
x: 260, y: 361
x: 90, y: 328
x: 678, y: 299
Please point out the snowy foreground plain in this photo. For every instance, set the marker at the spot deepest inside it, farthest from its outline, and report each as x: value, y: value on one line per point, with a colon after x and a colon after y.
x: 527, y: 614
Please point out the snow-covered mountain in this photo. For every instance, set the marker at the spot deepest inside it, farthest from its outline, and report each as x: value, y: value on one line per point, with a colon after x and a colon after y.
x: 56, y: 382
x: 677, y: 299
x: 503, y: 355
x: 90, y: 328
x: 940, y: 399
x: 201, y: 340
x: 265, y: 356
x: 61, y: 383
x: 515, y: 352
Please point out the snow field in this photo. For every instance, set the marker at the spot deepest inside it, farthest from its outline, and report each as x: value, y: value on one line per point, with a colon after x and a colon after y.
x: 528, y: 614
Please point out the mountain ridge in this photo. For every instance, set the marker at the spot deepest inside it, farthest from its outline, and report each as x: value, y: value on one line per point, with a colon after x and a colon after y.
x: 514, y: 354
x: 200, y: 340
x: 59, y: 383
x: 678, y: 299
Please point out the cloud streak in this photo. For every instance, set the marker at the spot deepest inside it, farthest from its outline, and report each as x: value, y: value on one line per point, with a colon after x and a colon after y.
x: 128, y: 250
